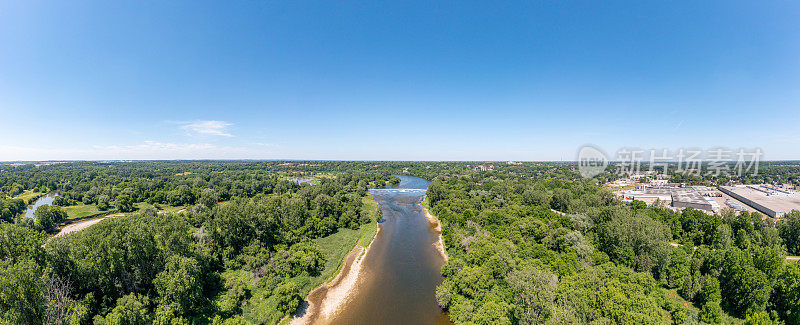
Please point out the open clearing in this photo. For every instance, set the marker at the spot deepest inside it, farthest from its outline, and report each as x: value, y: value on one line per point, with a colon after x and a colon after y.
x: 27, y: 195
x: 81, y: 211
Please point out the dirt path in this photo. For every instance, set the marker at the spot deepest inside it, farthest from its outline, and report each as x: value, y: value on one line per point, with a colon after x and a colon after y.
x: 83, y: 225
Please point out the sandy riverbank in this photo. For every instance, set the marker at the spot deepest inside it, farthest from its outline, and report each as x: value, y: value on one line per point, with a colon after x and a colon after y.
x: 83, y: 225
x: 325, y: 300
x: 439, y: 244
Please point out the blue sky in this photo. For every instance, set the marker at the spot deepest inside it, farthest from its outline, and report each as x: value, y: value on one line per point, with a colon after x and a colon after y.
x: 432, y: 80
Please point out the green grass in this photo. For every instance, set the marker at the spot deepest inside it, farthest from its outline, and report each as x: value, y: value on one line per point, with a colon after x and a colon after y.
x: 338, y: 245
x: 27, y: 195
x: 81, y: 210
x: 172, y: 209
x: 372, y: 209
x: 84, y: 210
x: 335, y: 247
x: 323, y: 175
x: 142, y: 206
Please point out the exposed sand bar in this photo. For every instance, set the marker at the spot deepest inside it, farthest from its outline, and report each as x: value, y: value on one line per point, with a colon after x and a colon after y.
x: 78, y: 226
x: 437, y: 226
x: 333, y: 302
x: 325, y: 300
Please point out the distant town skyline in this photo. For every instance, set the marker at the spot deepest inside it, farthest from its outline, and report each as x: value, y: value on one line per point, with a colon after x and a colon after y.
x: 522, y: 81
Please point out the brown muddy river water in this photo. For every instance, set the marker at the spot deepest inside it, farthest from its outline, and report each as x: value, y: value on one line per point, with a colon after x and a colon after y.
x: 402, y: 269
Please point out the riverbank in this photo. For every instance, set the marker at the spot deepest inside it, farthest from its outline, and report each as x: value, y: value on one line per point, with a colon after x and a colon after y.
x: 78, y: 226
x: 395, y: 279
x: 437, y: 226
x: 325, y: 300
x: 29, y: 196
x: 345, y: 252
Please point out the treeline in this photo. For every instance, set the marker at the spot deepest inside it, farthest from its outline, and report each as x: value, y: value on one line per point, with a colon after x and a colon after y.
x: 120, y: 185
x: 528, y: 244
x: 243, y: 261
x: 46, y: 216
x: 770, y: 172
x: 514, y: 260
x: 11, y: 208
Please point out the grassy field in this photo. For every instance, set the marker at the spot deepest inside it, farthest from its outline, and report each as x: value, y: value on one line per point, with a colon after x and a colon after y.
x: 81, y: 210
x: 84, y: 210
x: 27, y: 195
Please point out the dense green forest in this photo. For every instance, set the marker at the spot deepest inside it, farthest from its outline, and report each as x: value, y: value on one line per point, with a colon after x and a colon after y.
x: 238, y: 242
x: 120, y: 184
x: 245, y: 251
x: 556, y: 250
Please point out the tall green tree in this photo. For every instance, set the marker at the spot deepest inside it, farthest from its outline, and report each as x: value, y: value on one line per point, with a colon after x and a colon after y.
x: 745, y: 289
x: 47, y: 216
x: 635, y: 240
x: 123, y: 203
x: 790, y: 232
x: 534, y: 293
x: 180, y: 284
x: 21, y: 292
x: 787, y: 294
x: 131, y: 309
x: 19, y: 242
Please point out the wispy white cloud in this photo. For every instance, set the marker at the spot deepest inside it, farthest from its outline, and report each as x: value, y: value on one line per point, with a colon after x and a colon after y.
x: 215, y: 128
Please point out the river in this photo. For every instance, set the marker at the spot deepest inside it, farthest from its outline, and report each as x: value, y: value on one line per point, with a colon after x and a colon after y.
x: 44, y: 200
x: 402, y: 268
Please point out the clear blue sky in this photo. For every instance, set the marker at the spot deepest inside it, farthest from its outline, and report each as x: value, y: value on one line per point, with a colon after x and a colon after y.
x: 403, y: 80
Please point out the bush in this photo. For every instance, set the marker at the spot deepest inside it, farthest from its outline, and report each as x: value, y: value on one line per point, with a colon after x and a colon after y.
x: 47, y: 216
x: 711, y: 313
x: 288, y: 297
x: 180, y: 284
x: 131, y: 309
x: 710, y: 291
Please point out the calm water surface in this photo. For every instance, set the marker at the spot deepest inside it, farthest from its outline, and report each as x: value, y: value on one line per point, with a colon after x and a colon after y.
x: 47, y: 199
x: 400, y: 274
